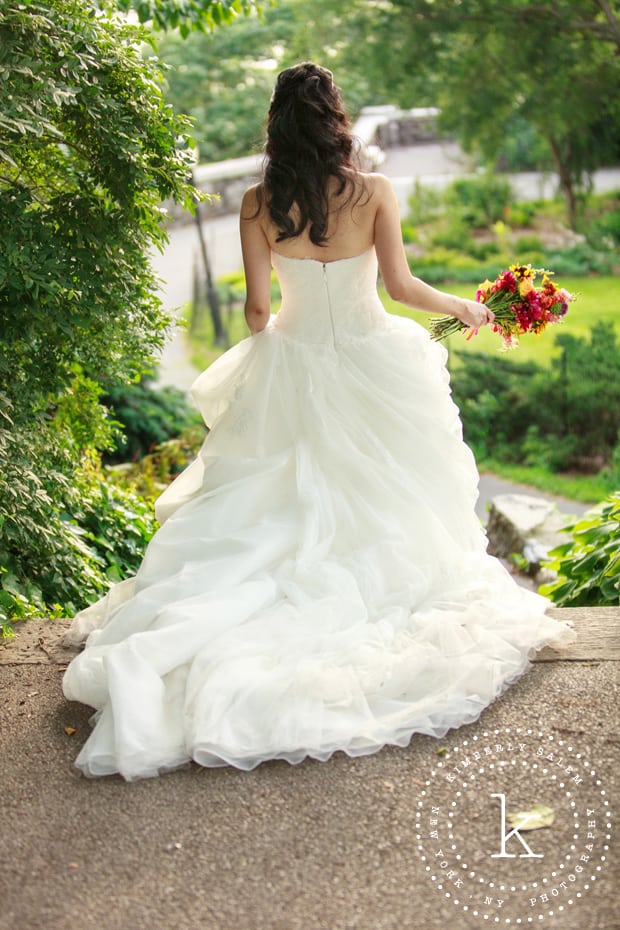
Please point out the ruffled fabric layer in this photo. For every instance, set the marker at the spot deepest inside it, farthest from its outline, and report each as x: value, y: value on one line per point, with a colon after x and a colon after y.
x: 320, y: 581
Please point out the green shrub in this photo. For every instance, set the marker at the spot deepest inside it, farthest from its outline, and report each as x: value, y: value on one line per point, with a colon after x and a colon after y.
x: 535, y: 259
x: 604, y: 232
x: 529, y: 243
x: 538, y: 450
x: 479, y: 201
x: 523, y: 147
x: 231, y: 288
x: 496, y: 405
x: 484, y: 250
x: 409, y: 232
x: 64, y: 533
x: 585, y: 395
x: 521, y: 214
x: 148, y: 416
x: 89, y: 152
x: 425, y: 204
x: 455, y: 235
x: 440, y: 265
x: 588, y: 566
x: 564, y: 419
x: 582, y: 259
x: 115, y: 523
x: 149, y: 476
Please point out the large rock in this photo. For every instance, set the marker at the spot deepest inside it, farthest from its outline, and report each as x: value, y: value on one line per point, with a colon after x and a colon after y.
x: 526, y: 526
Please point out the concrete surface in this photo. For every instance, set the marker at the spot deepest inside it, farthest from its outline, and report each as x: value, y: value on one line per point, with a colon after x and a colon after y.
x: 318, y: 846
x: 491, y: 486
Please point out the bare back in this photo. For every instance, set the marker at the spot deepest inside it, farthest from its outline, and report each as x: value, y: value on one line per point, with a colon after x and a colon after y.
x: 370, y: 219
x: 350, y: 228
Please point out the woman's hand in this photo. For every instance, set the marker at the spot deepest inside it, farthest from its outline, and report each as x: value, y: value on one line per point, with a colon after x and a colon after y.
x: 474, y: 314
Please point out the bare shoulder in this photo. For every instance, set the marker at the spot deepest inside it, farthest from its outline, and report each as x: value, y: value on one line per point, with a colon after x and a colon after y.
x: 252, y: 202
x: 378, y: 184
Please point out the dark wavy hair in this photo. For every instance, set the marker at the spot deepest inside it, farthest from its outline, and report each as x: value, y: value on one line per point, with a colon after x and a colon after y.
x: 308, y: 142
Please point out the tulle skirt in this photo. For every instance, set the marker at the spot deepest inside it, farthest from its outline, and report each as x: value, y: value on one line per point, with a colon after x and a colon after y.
x: 320, y: 580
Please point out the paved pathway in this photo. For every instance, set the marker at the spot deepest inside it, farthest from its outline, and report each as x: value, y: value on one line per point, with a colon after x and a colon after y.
x: 490, y: 486
x: 318, y: 846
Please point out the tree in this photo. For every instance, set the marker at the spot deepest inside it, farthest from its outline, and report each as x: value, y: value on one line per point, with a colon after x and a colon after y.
x: 538, y: 63
x: 185, y: 15
x: 224, y: 80
x: 508, y: 76
x: 492, y: 66
x: 88, y: 151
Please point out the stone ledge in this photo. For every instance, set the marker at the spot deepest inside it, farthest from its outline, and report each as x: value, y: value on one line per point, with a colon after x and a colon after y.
x: 39, y: 642
x: 526, y: 526
x: 598, y: 635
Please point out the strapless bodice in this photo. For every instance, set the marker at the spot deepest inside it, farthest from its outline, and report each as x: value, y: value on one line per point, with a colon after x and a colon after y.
x: 328, y: 303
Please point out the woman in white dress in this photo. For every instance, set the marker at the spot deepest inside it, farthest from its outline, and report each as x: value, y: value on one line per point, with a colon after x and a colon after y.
x: 320, y: 580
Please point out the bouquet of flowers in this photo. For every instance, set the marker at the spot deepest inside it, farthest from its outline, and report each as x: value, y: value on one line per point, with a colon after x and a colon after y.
x: 518, y: 304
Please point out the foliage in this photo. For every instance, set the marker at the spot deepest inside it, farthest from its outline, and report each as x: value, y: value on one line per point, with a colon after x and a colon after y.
x: 537, y: 63
x: 114, y: 522
x: 512, y: 79
x: 495, y: 406
x: 567, y: 418
x: 480, y: 201
x: 607, y: 227
x: 425, y: 203
x: 149, y: 416
x: 447, y: 248
x: 359, y: 42
x: 454, y: 235
x: 523, y: 147
x: 56, y: 556
x: 588, y: 566
x: 581, y: 259
x: 88, y: 151
x: 440, y: 264
x: 587, y: 392
x: 149, y: 476
x: 185, y: 15
x: 224, y: 81
x: 64, y: 532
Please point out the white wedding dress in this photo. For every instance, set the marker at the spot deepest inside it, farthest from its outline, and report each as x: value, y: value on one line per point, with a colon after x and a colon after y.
x: 320, y: 580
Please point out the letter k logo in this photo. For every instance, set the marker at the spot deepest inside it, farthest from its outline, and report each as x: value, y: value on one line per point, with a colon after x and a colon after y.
x: 514, y: 832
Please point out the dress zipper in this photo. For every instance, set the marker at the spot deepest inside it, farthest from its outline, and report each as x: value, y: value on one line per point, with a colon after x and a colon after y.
x: 329, y: 305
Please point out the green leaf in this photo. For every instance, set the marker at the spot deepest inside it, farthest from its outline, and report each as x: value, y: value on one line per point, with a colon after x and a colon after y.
x: 537, y: 817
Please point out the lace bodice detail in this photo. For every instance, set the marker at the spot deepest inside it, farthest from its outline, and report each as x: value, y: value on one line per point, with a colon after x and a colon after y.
x: 328, y: 303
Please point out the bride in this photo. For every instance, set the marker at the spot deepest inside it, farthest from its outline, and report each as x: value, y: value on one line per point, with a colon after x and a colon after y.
x: 320, y: 580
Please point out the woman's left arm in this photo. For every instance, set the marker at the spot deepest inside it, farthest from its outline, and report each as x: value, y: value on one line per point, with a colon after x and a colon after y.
x: 256, y: 264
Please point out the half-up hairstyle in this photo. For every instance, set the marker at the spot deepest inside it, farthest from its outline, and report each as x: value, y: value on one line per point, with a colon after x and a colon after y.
x: 308, y: 141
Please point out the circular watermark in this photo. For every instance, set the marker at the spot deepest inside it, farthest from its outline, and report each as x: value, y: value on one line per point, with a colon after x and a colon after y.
x: 507, y: 867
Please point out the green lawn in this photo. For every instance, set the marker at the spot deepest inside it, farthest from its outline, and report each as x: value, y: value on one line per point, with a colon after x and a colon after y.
x: 589, y: 489
x: 598, y: 299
